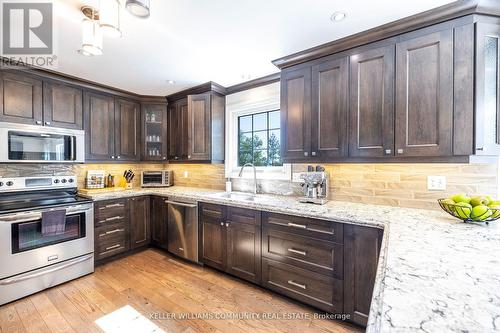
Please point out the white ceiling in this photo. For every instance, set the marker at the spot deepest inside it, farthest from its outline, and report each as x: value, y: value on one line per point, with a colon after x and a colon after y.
x: 226, y: 41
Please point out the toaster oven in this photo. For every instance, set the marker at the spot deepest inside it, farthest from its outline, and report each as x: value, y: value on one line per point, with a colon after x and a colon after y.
x: 160, y: 178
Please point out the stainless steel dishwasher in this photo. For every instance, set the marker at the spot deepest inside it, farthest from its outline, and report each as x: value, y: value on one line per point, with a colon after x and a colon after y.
x: 183, y: 228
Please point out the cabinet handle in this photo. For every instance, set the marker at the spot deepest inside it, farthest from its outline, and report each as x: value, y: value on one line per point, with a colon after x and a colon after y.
x: 227, y: 225
x: 118, y: 157
x: 181, y: 249
x: 38, y: 122
x: 295, y: 225
x: 313, y: 153
x: 113, y: 247
x: 297, y: 251
x: 480, y: 148
x: 164, y: 158
x: 111, y: 232
x: 222, y: 223
x: 306, y: 154
x: 111, y: 219
x: 111, y: 206
x: 47, y: 123
x: 293, y: 283
x: 400, y: 151
x: 189, y: 156
x: 388, y: 151
x: 112, y: 157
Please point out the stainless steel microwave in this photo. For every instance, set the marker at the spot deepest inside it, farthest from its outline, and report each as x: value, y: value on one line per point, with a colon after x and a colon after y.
x: 159, y: 178
x: 40, y: 144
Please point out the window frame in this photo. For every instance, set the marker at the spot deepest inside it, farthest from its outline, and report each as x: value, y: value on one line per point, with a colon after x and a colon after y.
x: 253, y: 131
x: 257, y: 100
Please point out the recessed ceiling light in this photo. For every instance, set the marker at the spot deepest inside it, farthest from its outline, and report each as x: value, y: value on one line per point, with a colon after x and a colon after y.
x: 338, y: 16
x: 170, y: 81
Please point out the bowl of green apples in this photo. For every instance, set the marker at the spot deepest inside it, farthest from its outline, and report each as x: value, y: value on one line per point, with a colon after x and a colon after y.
x: 481, y: 208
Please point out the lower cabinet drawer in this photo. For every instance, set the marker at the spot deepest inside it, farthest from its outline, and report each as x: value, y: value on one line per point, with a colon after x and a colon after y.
x: 112, y: 231
x: 110, y: 247
x: 312, y: 254
x: 321, y: 291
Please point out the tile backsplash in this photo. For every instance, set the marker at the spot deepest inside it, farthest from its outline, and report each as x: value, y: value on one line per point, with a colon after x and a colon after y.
x: 402, y: 185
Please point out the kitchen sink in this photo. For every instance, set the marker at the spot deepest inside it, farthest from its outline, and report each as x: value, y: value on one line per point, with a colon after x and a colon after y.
x: 236, y: 196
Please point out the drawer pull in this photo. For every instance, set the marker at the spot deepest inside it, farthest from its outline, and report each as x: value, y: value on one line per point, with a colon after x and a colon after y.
x: 111, y: 219
x: 111, y: 206
x: 181, y: 249
x: 117, y: 246
x: 295, y: 225
x: 293, y: 283
x: 297, y: 251
x: 111, y: 232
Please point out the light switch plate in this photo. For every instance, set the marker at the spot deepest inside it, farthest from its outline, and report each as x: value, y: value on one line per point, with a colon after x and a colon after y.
x: 296, y: 177
x: 186, y: 174
x: 436, y: 183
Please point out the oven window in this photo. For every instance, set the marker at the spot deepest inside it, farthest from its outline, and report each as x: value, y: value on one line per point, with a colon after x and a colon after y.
x: 40, y: 147
x: 28, y: 235
x: 152, y: 178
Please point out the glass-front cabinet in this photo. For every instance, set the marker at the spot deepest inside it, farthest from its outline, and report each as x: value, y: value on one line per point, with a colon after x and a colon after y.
x: 154, y: 132
x: 487, y: 89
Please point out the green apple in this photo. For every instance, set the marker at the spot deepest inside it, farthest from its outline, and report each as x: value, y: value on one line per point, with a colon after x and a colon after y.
x: 463, y: 210
x: 479, y: 201
x: 495, y: 210
x: 461, y: 197
x: 448, y: 201
x: 481, y: 213
x: 494, y: 203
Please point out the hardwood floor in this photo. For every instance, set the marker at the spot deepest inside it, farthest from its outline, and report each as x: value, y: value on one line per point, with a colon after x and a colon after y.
x: 156, y: 284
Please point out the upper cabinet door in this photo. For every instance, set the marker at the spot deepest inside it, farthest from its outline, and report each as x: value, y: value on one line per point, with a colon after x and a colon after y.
x: 424, y: 95
x: 127, y: 130
x: 296, y: 114
x: 62, y: 106
x: 177, y: 130
x: 20, y: 99
x: 98, y: 113
x: 488, y: 89
x: 154, y: 132
x: 372, y: 103
x: 199, y: 129
x: 330, y: 108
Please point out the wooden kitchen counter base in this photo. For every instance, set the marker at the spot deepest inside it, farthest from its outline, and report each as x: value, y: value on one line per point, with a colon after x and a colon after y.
x: 153, y: 282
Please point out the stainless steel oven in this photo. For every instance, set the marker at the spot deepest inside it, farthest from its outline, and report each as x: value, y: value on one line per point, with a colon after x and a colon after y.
x: 39, y: 144
x: 31, y: 260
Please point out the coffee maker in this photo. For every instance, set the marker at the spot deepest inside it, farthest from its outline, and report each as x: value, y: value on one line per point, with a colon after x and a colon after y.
x: 315, y: 185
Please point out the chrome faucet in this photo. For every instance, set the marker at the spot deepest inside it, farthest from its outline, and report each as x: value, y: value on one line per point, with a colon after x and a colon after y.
x: 254, y: 176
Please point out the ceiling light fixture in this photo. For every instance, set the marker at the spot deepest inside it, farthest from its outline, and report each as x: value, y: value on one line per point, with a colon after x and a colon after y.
x: 338, y: 16
x: 91, y: 34
x: 172, y: 82
x: 109, y: 12
x: 139, y: 8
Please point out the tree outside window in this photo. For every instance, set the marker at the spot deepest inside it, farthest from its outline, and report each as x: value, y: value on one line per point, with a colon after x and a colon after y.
x: 259, y: 139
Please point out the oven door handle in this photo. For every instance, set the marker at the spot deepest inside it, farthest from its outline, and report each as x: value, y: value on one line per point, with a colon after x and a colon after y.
x: 47, y: 271
x: 26, y: 217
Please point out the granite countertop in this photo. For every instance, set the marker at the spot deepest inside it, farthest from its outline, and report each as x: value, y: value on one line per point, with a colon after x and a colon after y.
x: 435, y: 273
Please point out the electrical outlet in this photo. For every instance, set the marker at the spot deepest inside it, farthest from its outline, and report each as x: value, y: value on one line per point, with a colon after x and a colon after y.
x: 186, y: 174
x: 296, y: 177
x: 436, y: 183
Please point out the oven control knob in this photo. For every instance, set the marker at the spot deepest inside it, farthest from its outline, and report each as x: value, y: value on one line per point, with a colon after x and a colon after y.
x: 56, y: 181
x: 63, y: 181
x: 1, y: 183
x: 9, y: 183
x: 71, y: 180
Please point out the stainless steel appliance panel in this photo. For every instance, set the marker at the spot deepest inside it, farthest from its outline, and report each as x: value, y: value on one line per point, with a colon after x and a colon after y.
x: 183, y: 228
x: 39, y: 144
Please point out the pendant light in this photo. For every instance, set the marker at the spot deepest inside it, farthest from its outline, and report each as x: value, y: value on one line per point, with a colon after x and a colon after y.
x: 139, y: 8
x: 109, y: 13
x: 91, y: 34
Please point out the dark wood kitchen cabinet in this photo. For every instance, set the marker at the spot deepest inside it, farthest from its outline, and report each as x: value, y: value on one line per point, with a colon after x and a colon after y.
x: 62, y: 106
x: 329, y: 108
x: 127, y: 129
x: 424, y: 95
x: 361, y: 249
x: 99, y: 125
x: 112, y: 128
x: 20, y: 99
x: 140, y: 233
x: 231, y: 240
x: 159, y: 222
x: 372, y: 103
x: 296, y: 114
x: 177, y: 130
x: 205, y: 127
x: 154, y: 132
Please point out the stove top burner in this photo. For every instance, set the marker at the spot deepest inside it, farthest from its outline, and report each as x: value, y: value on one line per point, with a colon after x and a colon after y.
x: 22, y: 201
